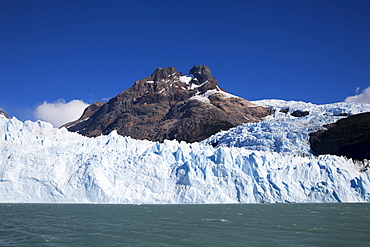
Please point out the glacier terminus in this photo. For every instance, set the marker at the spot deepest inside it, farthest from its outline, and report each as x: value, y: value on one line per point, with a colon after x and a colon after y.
x: 263, y: 162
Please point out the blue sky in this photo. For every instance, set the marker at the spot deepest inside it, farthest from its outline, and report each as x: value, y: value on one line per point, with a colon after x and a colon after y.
x: 315, y: 50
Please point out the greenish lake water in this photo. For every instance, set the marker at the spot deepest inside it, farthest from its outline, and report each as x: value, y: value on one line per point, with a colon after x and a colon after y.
x: 185, y: 225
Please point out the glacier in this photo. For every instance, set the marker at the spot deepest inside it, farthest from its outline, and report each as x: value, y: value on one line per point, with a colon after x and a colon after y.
x: 282, y: 132
x: 265, y: 162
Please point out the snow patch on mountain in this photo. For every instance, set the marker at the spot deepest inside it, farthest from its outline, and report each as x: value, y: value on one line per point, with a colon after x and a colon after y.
x: 185, y: 79
x: 39, y: 163
x: 205, y: 97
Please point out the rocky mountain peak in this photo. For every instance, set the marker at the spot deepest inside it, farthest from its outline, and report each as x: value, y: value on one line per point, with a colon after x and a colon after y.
x: 162, y: 74
x: 167, y: 85
x: 161, y: 78
x: 202, y: 73
x: 169, y: 105
x: 203, y: 77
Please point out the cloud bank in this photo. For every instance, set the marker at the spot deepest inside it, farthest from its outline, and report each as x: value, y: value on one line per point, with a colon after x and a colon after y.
x: 363, y: 97
x: 60, y: 112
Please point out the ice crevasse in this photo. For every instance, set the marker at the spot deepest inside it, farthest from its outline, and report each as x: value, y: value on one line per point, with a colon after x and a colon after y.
x: 41, y: 164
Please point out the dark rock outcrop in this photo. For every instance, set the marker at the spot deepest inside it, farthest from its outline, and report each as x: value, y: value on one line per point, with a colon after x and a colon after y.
x: 284, y: 110
x: 299, y: 113
x: 348, y: 137
x: 3, y: 113
x: 169, y: 105
x: 343, y: 114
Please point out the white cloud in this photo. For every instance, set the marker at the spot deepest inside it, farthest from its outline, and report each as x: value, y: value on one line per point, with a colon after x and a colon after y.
x: 60, y: 112
x: 363, y: 97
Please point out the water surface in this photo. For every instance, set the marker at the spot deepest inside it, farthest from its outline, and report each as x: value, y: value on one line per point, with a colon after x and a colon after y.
x: 185, y: 225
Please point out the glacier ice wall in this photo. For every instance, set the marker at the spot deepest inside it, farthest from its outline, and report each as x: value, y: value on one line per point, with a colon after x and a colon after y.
x: 39, y: 163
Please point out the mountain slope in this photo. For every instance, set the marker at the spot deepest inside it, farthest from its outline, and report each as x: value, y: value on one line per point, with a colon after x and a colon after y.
x: 169, y: 105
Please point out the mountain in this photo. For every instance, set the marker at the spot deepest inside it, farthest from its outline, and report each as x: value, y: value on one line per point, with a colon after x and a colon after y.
x: 256, y: 162
x: 349, y: 137
x: 170, y: 105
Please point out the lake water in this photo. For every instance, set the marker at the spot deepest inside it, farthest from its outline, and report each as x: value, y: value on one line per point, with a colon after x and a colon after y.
x: 185, y: 225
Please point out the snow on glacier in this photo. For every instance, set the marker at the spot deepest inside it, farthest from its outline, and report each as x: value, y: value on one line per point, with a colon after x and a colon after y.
x: 282, y: 132
x: 39, y: 163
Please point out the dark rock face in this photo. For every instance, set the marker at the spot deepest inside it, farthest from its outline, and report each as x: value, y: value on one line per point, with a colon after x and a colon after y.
x: 349, y: 137
x: 168, y: 105
x: 344, y: 114
x: 4, y: 113
x: 300, y: 113
x: 286, y: 110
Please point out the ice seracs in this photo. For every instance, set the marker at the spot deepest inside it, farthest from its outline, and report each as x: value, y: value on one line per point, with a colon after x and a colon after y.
x: 281, y: 132
x: 41, y: 164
